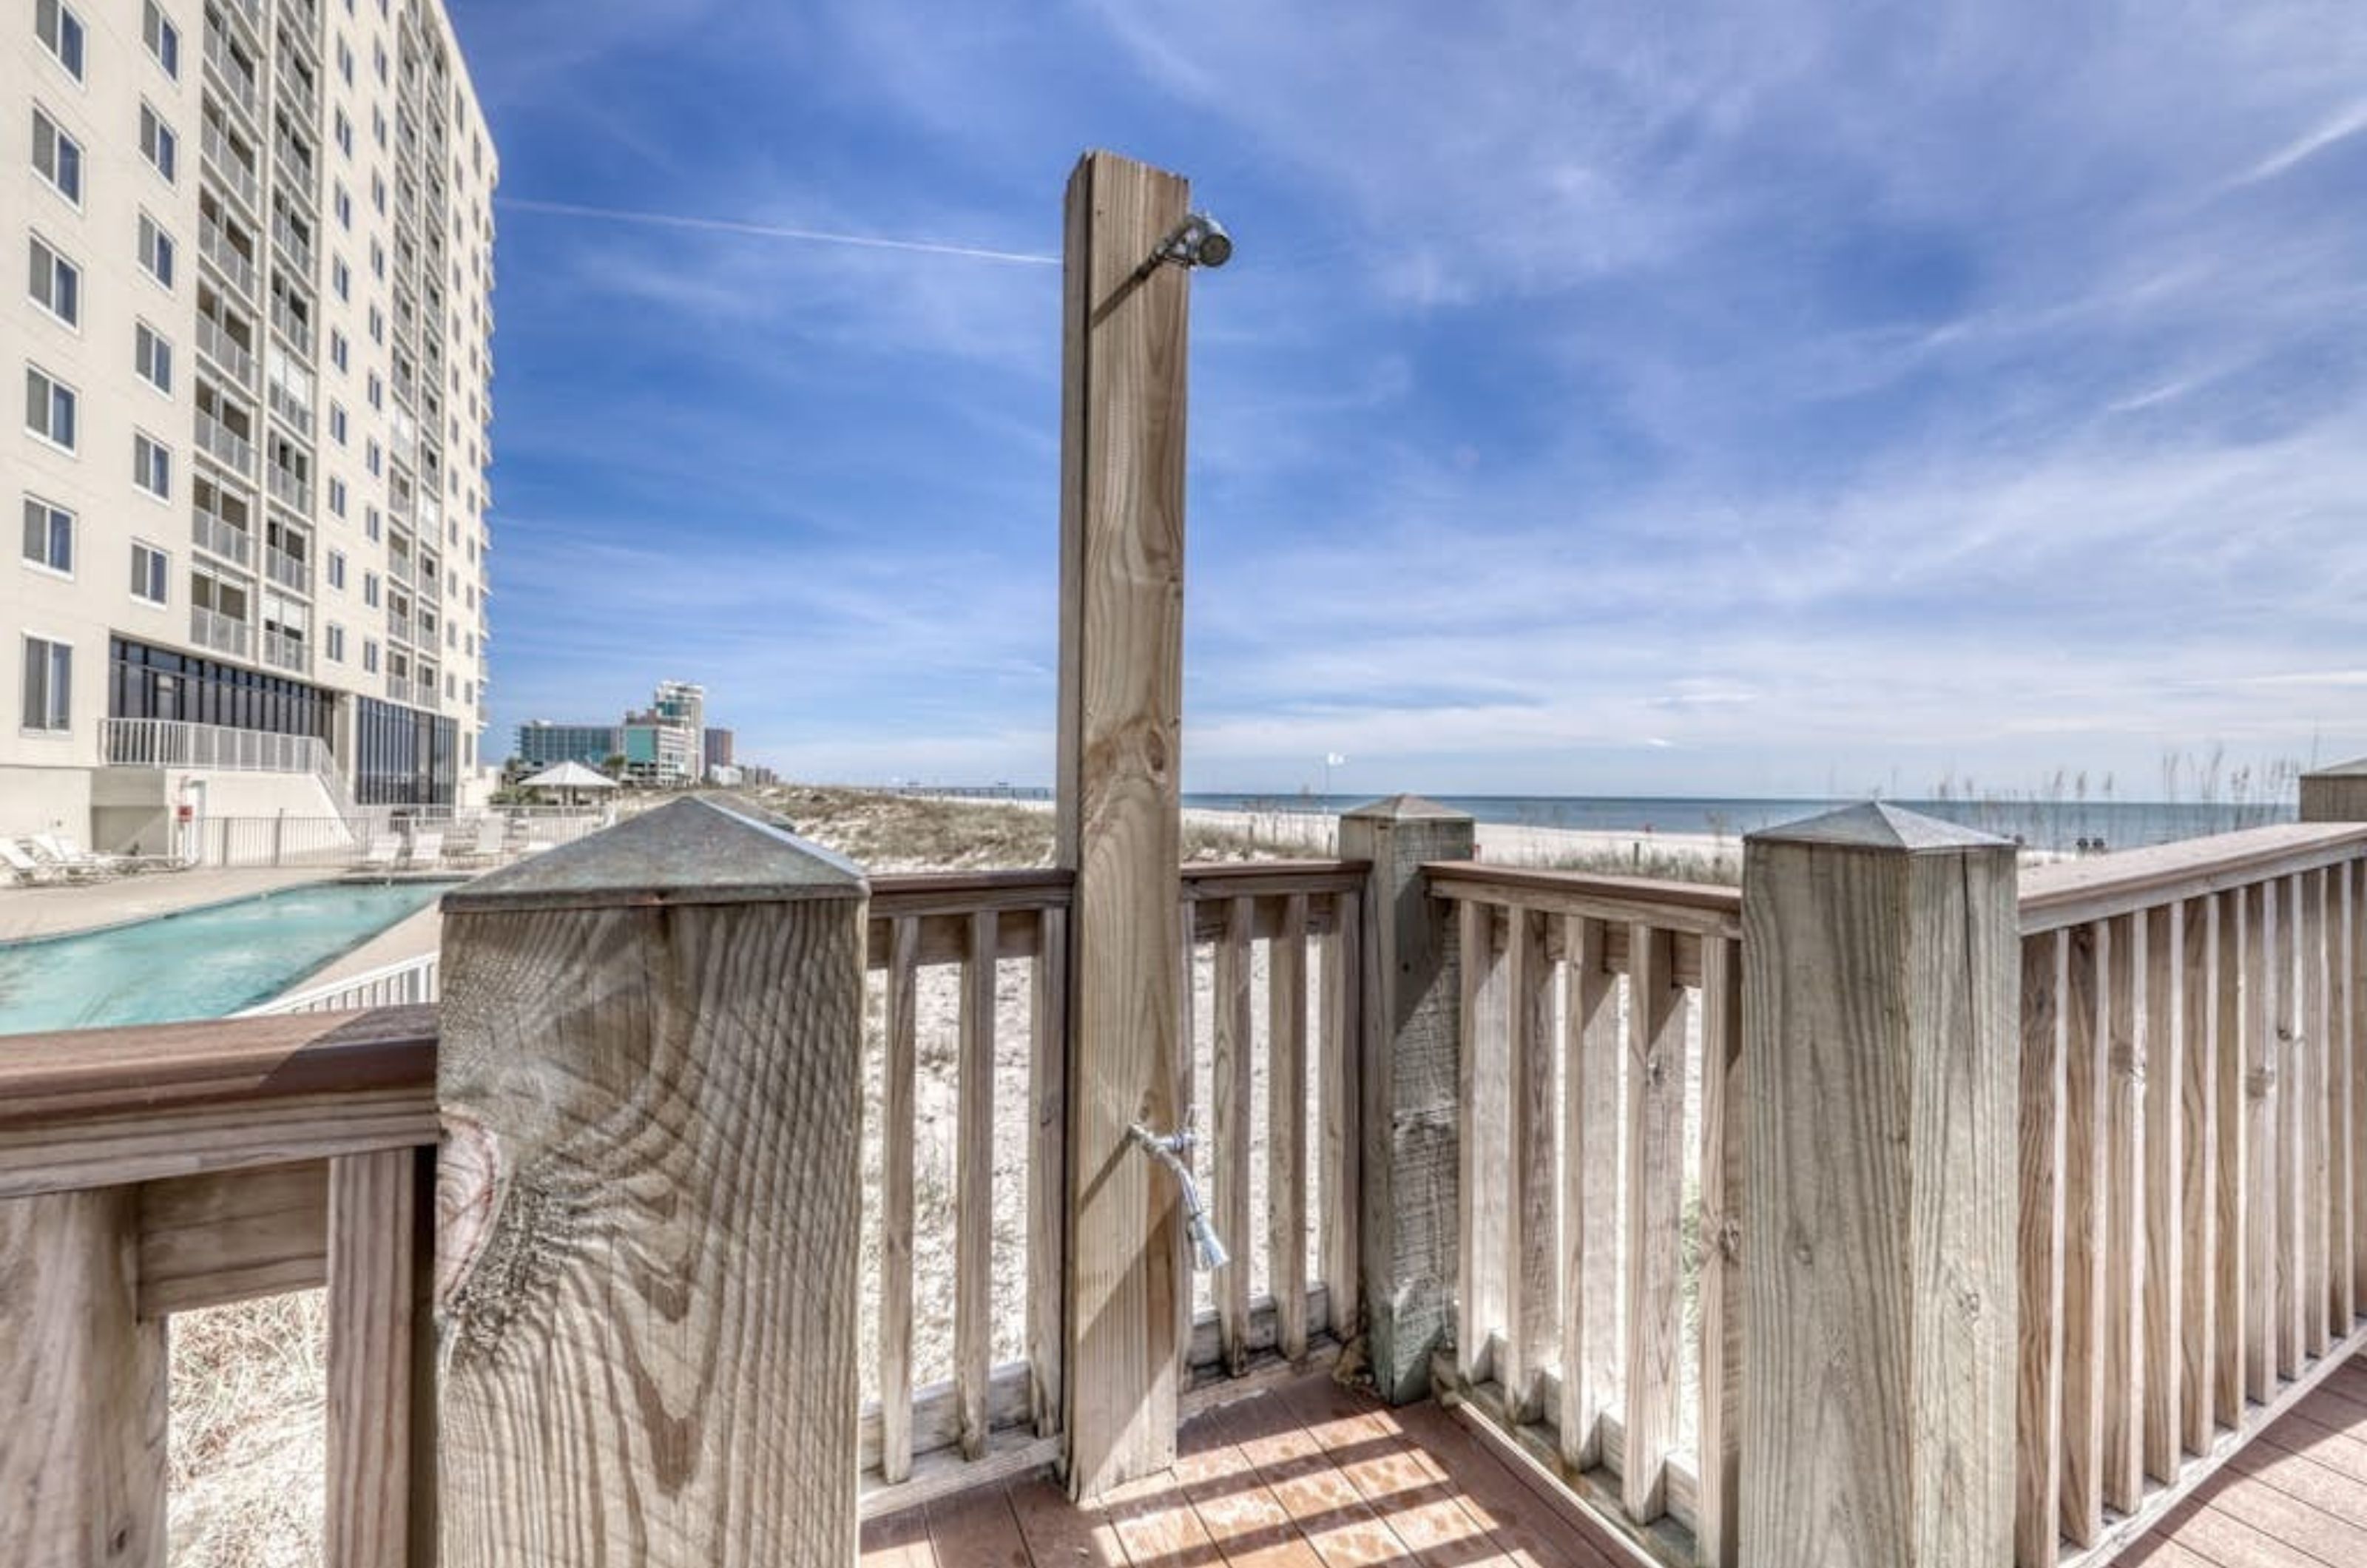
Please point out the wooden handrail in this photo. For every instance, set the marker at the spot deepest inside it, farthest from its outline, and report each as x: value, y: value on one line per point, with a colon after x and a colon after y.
x: 1704, y: 909
x: 1272, y: 878
x: 968, y: 892
x: 2071, y: 893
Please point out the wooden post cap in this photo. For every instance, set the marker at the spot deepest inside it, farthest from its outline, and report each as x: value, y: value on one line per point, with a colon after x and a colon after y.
x: 1404, y: 808
x: 698, y: 849
x: 1874, y: 825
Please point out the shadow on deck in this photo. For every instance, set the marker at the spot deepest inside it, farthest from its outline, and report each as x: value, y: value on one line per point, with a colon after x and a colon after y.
x: 2296, y: 1498
x: 1308, y: 1475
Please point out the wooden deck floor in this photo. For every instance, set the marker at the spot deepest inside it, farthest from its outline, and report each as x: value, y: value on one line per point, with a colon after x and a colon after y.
x: 1309, y: 1475
x: 2296, y: 1498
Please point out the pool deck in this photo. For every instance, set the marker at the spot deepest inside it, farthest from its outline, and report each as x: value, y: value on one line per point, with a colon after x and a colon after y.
x: 67, y: 907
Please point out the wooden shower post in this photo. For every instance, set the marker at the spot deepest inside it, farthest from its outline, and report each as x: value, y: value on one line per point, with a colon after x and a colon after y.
x: 1121, y: 717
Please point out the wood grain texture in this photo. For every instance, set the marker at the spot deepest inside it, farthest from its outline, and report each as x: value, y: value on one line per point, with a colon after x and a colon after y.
x: 82, y: 1386
x: 1406, y: 1083
x: 1341, y: 1025
x: 2074, y: 891
x: 1231, y: 1090
x: 2317, y: 1120
x: 1880, y: 1030
x: 1718, y: 1523
x: 974, y: 1186
x: 2161, y: 973
x: 1655, y: 1203
x: 2354, y: 964
x: 1048, y: 1203
x: 897, y: 1115
x: 648, y: 1230
x: 370, y: 1225
x: 207, y: 1240
x: 2043, y: 1147
x: 2342, y: 1126
x: 2085, y: 1241
x: 1117, y: 817
x: 2199, y: 1174
x: 2119, y: 950
x: 1286, y: 1169
x: 2283, y: 931
x: 1474, y: 1193
x: 1592, y: 1111
x: 1531, y: 1236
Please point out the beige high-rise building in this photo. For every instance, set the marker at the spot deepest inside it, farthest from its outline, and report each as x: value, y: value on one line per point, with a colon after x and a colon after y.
x: 246, y: 411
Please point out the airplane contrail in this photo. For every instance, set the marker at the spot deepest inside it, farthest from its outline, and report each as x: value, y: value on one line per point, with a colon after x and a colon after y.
x: 771, y: 231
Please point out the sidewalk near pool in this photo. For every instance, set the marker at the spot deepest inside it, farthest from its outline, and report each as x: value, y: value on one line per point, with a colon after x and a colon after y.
x: 62, y: 909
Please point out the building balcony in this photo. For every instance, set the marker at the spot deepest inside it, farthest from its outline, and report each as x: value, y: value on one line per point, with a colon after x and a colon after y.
x: 290, y: 572
x: 215, y: 343
x: 233, y: 81
x: 294, y: 245
x: 402, y: 569
x: 216, y: 441
x: 401, y: 627
x: 289, y: 410
x: 304, y: 30
x: 402, y: 689
x: 236, y: 271
x: 213, y: 534
x: 298, y: 89
x: 296, y: 330
x: 291, y: 492
x: 223, y: 635
x: 234, y: 175
x: 283, y: 652
x: 247, y: 15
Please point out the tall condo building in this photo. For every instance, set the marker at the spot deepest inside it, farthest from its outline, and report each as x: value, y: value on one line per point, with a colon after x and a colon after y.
x: 248, y: 400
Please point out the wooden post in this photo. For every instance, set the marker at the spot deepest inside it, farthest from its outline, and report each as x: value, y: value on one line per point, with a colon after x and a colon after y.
x: 1880, y: 1028
x: 1119, y: 819
x: 82, y: 1386
x: 2334, y: 794
x: 1409, y: 1051
x: 648, y: 1215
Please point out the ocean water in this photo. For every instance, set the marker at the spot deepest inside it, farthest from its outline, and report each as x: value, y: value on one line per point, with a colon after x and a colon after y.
x: 204, y: 962
x: 2040, y: 824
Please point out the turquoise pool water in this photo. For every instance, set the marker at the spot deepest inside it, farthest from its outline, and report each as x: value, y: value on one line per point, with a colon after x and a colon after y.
x: 203, y: 962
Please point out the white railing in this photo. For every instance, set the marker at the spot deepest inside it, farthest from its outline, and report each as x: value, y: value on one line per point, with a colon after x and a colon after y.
x: 399, y: 689
x: 216, y: 343
x: 175, y: 743
x: 236, y: 80
x: 401, y: 568
x: 409, y: 982
x: 289, y: 490
x: 296, y: 329
x: 215, y: 246
x: 209, y: 628
x: 215, y: 439
x: 283, y: 652
x: 288, y: 570
x: 232, y: 173
x: 291, y: 409
x: 224, y: 539
x: 401, y: 627
x: 298, y: 247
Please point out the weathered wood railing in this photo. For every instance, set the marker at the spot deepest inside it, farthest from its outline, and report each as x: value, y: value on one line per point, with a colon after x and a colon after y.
x: 153, y: 1170
x: 1602, y: 1023
x: 1307, y: 916
x: 2194, y: 1087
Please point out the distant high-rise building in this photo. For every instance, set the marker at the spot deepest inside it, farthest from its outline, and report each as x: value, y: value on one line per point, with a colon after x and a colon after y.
x: 542, y: 744
x: 660, y: 751
x: 680, y: 703
x: 248, y: 400
x: 719, y: 749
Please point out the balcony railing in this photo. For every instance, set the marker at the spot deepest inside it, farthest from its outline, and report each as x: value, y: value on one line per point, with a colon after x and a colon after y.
x: 227, y: 540
x: 209, y: 628
x: 216, y: 343
x: 402, y: 569
x: 293, y: 160
x: 289, y: 490
x: 288, y: 572
x: 297, y: 248
x: 295, y: 414
x: 171, y: 743
x: 283, y: 652
x: 237, y: 177
x: 399, y: 626
x: 214, y: 244
x: 303, y: 90
x: 249, y: 13
x: 215, y: 439
x: 399, y: 689
x: 236, y: 80
x: 296, y: 329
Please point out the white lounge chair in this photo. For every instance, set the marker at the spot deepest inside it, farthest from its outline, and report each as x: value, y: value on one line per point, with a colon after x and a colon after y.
x: 482, y: 848
x: 72, y: 858
x: 426, y: 847
x: 384, y: 851
x: 24, y: 868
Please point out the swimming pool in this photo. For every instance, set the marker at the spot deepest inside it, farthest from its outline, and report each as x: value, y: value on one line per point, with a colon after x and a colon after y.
x: 205, y: 963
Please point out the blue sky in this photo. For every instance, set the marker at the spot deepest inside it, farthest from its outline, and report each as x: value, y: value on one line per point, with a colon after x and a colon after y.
x: 1762, y: 398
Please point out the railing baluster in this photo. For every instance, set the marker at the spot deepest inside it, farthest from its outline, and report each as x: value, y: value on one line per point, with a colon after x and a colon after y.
x: 897, y: 1112
x: 2351, y: 970
x: 974, y: 1185
x: 1286, y: 1184
x: 1590, y: 1111
x: 1047, y: 1167
x: 2160, y: 971
x: 2044, y: 1172
x: 1230, y: 1090
x: 1475, y: 941
x: 2120, y: 951
x: 2317, y: 1209
x: 1529, y: 1233
x: 2086, y: 1077
x: 1343, y: 1184
x: 2293, y: 1093
x: 2259, y: 1145
x: 1717, y: 1505
x: 1186, y: 1092
x: 370, y: 1198
x: 2200, y: 1172
x: 1656, y: 1120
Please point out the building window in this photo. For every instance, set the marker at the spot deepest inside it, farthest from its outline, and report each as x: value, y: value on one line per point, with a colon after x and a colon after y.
x: 375, y: 457
x: 369, y: 523
x: 337, y: 423
x: 378, y: 193
x: 369, y: 588
x: 152, y: 355
x: 337, y: 348
x: 57, y: 284
x: 62, y: 30
x: 49, y: 684
x: 152, y: 570
x: 345, y: 134
x: 48, y: 536
x: 337, y: 643
x: 345, y: 61
x: 344, y: 204
x: 377, y: 260
x: 163, y: 39
x: 57, y: 157
x: 369, y: 656
x: 336, y: 568
x: 157, y: 249
x: 337, y: 497
x: 376, y: 324
x: 48, y: 408
x: 152, y: 465
x: 341, y: 280
x: 158, y: 144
